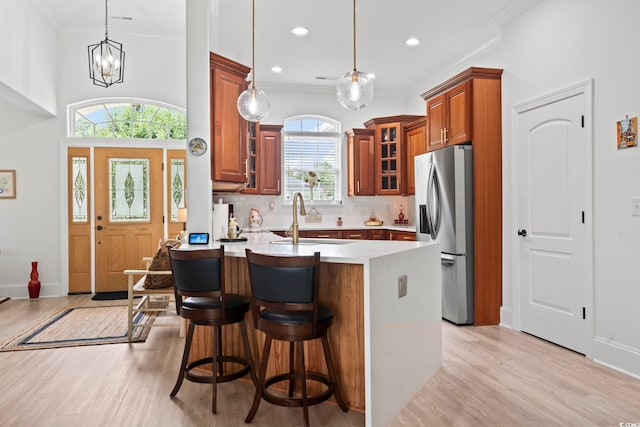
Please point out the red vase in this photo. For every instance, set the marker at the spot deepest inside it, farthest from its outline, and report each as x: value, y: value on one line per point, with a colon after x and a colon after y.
x: 34, y: 283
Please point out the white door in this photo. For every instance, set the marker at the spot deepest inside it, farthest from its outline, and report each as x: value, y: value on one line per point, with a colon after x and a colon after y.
x: 554, y: 222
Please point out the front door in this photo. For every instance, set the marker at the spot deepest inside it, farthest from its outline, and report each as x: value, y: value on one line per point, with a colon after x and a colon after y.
x: 128, y: 212
x: 554, y: 217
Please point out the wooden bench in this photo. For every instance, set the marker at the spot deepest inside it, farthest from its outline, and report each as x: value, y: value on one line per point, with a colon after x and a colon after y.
x: 162, y: 296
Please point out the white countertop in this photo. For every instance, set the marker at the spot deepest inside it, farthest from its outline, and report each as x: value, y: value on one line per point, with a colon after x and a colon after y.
x: 331, y: 250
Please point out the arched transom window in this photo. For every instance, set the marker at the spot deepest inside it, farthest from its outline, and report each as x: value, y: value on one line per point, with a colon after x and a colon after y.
x: 127, y: 119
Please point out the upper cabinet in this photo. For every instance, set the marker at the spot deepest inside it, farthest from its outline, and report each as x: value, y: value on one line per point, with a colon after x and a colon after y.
x: 252, y: 159
x: 269, y: 156
x: 416, y: 138
x: 450, y: 117
x: 263, y: 159
x: 228, y: 128
x: 360, y: 153
x: 390, y: 158
x: 467, y: 109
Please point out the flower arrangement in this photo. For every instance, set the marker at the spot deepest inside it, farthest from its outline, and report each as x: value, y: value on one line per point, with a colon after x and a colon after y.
x: 312, y: 179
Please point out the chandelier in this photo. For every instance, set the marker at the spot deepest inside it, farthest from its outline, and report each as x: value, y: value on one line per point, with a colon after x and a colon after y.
x: 106, y: 59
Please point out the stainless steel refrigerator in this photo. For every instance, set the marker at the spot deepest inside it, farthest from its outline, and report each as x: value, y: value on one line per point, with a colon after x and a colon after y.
x: 444, y: 209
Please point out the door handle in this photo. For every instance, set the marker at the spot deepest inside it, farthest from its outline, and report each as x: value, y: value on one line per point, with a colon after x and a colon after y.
x: 522, y: 233
x: 99, y: 228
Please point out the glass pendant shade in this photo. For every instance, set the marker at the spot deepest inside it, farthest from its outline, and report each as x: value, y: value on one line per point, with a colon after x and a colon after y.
x: 253, y: 105
x: 354, y: 90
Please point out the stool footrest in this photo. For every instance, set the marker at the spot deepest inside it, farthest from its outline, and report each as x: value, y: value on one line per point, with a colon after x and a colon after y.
x: 221, y: 378
x: 297, y: 401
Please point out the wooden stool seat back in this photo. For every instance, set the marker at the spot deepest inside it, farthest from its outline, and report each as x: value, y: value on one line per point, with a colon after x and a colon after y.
x: 284, y: 305
x: 198, y: 277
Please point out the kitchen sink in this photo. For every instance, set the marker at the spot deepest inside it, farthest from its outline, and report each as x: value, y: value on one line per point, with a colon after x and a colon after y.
x: 310, y: 241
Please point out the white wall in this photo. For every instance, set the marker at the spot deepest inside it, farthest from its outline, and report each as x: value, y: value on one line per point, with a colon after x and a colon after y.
x: 551, y: 46
x: 555, y: 44
x: 28, y: 64
x: 31, y: 226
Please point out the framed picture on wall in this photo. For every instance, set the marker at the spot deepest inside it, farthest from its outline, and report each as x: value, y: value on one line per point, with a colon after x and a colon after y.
x: 627, y: 132
x: 8, y: 184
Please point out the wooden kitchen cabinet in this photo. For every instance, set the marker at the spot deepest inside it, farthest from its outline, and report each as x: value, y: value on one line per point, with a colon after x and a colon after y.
x: 228, y: 128
x: 263, y: 159
x: 269, y: 155
x: 469, y: 106
x: 252, y: 159
x: 390, y: 161
x: 378, y: 234
x: 416, y: 140
x: 402, y: 235
x: 361, y: 162
x: 322, y: 234
x: 450, y: 117
x: 355, y: 234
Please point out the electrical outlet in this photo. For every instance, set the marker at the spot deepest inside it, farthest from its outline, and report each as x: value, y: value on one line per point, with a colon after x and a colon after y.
x: 635, y: 206
x: 402, y: 286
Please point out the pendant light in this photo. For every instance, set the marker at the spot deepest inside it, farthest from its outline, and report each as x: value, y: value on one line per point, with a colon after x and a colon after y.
x: 106, y: 59
x: 253, y: 104
x: 355, y: 88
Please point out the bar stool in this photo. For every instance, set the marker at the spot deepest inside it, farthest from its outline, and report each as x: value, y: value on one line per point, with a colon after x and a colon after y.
x: 284, y: 305
x: 199, y: 283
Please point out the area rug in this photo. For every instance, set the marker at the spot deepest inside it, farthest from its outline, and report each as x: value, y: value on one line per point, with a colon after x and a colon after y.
x: 69, y: 327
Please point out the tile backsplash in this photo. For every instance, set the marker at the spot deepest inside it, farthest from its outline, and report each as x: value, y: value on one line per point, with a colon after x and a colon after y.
x: 354, y: 210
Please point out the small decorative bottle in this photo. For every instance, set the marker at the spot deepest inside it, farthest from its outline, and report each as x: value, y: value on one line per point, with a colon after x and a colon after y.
x: 34, y: 284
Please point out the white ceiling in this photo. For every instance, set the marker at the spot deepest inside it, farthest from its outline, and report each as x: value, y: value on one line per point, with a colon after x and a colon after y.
x: 448, y: 30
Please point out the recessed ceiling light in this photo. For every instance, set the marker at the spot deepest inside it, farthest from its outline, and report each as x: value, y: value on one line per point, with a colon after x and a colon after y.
x: 300, y: 31
x: 412, y: 41
x: 276, y: 69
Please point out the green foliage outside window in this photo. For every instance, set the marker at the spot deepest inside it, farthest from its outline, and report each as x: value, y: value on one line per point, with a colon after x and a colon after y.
x: 120, y: 120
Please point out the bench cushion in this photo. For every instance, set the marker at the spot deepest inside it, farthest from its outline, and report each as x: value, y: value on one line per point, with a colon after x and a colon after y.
x: 161, y: 262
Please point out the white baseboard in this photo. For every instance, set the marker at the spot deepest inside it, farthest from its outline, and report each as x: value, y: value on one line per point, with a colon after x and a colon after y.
x: 617, y: 356
x: 20, y: 291
x: 506, y: 317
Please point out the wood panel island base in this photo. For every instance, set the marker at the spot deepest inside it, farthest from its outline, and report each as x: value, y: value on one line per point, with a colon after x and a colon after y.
x: 385, y: 346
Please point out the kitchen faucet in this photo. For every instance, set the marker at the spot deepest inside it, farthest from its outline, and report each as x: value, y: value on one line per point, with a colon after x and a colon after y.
x: 293, y: 230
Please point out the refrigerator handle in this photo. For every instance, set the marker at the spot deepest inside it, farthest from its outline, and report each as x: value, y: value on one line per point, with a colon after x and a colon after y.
x: 447, y: 259
x: 434, y: 186
x: 424, y: 220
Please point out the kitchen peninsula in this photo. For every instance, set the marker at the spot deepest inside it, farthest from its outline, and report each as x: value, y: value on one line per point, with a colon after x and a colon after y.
x: 385, y: 345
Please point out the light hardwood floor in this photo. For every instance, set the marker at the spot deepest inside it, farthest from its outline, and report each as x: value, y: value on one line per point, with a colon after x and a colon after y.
x: 491, y: 376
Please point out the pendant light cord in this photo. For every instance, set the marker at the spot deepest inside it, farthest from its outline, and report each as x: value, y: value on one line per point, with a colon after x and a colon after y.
x: 354, y: 36
x: 253, y: 43
x: 106, y: 14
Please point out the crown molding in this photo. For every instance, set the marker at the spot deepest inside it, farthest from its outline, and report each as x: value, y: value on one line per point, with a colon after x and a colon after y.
x: 514, y: 11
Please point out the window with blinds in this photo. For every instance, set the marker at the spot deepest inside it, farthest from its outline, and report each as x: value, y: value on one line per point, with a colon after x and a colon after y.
x: 312, y: 159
